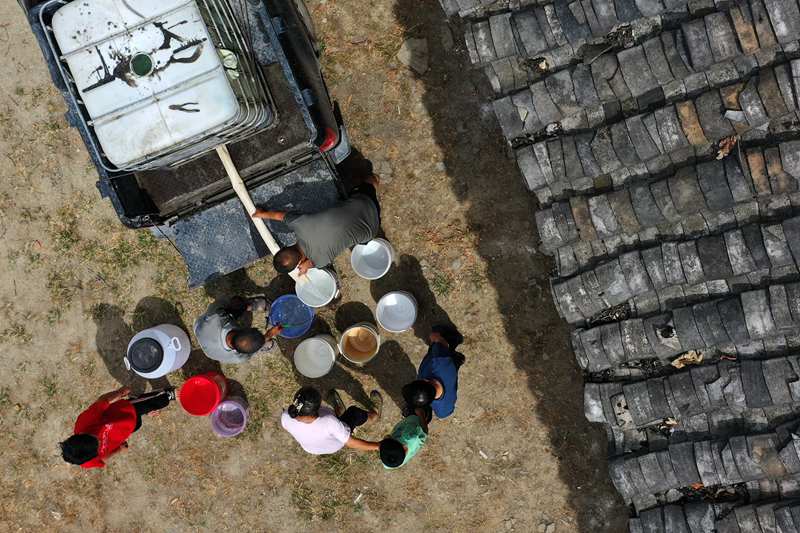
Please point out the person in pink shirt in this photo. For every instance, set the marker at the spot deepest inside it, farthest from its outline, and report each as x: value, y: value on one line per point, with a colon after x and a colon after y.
x: 320, y: 430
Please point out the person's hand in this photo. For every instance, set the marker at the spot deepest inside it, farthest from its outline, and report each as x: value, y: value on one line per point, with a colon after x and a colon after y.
x: 274, y: 331
x: 303, y: 267
x: 260, y: 213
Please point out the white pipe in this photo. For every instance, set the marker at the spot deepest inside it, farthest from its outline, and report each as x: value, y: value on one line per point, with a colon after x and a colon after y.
x: 247, y: 202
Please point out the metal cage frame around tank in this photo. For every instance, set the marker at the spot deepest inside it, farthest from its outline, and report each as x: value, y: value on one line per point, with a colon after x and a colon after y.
x: 202, y: 143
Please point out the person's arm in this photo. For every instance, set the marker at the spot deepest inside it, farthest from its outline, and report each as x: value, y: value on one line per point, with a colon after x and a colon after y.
x: 362, y: 445
x: 115, y: 395
x: 423, y: 421
x: 269, y: 215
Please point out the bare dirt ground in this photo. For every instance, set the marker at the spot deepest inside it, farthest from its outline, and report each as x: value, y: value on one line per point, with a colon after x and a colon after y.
x: 517, y: 455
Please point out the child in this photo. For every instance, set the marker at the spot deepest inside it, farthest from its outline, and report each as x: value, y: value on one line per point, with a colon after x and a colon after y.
x: 103, y: 429
x: 406, y: 439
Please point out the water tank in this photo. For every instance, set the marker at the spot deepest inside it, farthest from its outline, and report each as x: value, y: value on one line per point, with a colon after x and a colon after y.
x: 159, y: 81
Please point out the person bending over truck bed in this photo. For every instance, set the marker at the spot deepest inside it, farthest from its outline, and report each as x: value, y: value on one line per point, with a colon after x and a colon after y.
x: 324, y: 235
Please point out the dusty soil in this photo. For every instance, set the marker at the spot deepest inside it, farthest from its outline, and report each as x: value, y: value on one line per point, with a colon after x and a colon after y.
x: 516, y: 456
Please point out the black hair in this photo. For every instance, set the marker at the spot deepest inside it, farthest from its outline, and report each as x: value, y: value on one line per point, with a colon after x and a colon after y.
x: 306, y: 402
x: 248, y: 340
x: 79, y: 448
x: 392, y: 453
x: 419, y: 393
x: 286, y: 260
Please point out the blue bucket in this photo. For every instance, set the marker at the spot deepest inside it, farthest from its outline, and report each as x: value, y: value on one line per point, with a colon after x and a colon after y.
x: 295, y: 316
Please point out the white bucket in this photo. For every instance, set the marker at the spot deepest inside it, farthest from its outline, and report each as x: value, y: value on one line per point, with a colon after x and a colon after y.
x: 175, y: 348
x: 397, y: 311
x: 372, y: 260
x: 318, y: 287
x: 314, y: 357
x: 360, y: 343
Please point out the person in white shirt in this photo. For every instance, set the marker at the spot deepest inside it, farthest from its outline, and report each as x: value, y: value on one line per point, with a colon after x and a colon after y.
x: 320, y: 430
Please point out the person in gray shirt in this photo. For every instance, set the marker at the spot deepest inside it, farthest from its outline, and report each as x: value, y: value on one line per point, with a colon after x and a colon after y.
x: 324, y: 235
x: 225, y: 337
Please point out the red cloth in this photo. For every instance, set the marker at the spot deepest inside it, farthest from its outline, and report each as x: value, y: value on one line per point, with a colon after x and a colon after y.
x: 111, y: 423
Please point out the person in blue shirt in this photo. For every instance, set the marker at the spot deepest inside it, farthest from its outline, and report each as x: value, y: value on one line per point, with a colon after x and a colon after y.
x: 436, y: 386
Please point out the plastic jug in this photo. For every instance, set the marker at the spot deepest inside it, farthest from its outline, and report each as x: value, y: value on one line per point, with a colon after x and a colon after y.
x: 157, y: 351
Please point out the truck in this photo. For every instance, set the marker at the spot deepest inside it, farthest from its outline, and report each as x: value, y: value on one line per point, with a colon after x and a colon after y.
x: 147, y: 83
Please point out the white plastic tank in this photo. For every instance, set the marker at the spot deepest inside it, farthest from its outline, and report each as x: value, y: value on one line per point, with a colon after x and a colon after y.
x: 151, y: 79
x: 157, y: 351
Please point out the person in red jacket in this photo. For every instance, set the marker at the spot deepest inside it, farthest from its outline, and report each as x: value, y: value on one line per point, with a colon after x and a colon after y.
x: 103, y: 429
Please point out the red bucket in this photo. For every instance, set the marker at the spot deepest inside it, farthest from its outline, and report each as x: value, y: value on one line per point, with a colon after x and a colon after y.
x: 200, y: 395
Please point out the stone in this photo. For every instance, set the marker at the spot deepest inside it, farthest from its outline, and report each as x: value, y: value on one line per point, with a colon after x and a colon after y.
x: 744, y: 29
x: 583, y: 85
x: 502, y: 35
x: 690, y: 262
x: 686, y: 328
x: 636, y: 71
x: 741, y: 260
x: 603, y: 150
x: 770, y: 94
x: 672, y: 264
x: 546, y: 109
x: 732, y: 316
x: 508, y: 117
x: 697, y: 42
x: 757, y: 314
x: 527, y: 113
x: 758, y: 171
x: 574, y: 30
x: 559, y: 86
x: 531, y: 36
x: 753, y: 238
x: 529, y: 166
x: 740, y: 187
x: 612, y: 280
x: 623, y: 147
x: 695, y: 83
x: 751, y: 104
x: 686, y: 193
x: 588, y: 162
x: 638, y: 400
x: 690, y: 123
x: 713, y: 183
x: 777, y: 248
x: 413, y: 53
x: 785, y: 17
x: 783, y: 76
x: 714, y: 257
x: 755, y: 387
x: 641, y: 139
x: 777, y: 372
x: 710, y: 111
x: 669, y: 129
x: 766, y: 37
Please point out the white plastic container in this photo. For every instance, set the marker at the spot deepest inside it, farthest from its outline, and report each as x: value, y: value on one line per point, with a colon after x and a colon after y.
x: 157, y: 351
x: 372, y: 260
x: 315, y: 357
x: 360, y: 343
x: 397, y: 311
x: 318, y: 287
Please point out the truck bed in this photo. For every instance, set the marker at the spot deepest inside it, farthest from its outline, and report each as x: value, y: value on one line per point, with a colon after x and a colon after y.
x: 176, y: 188
x: 222, y: 238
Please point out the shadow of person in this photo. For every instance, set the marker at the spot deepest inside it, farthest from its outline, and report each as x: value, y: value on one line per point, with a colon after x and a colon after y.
x: 500, y: 216
x: 354, y: 169
x: 392, y: 368
x: 407, y: 275
x: 352, y: 313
